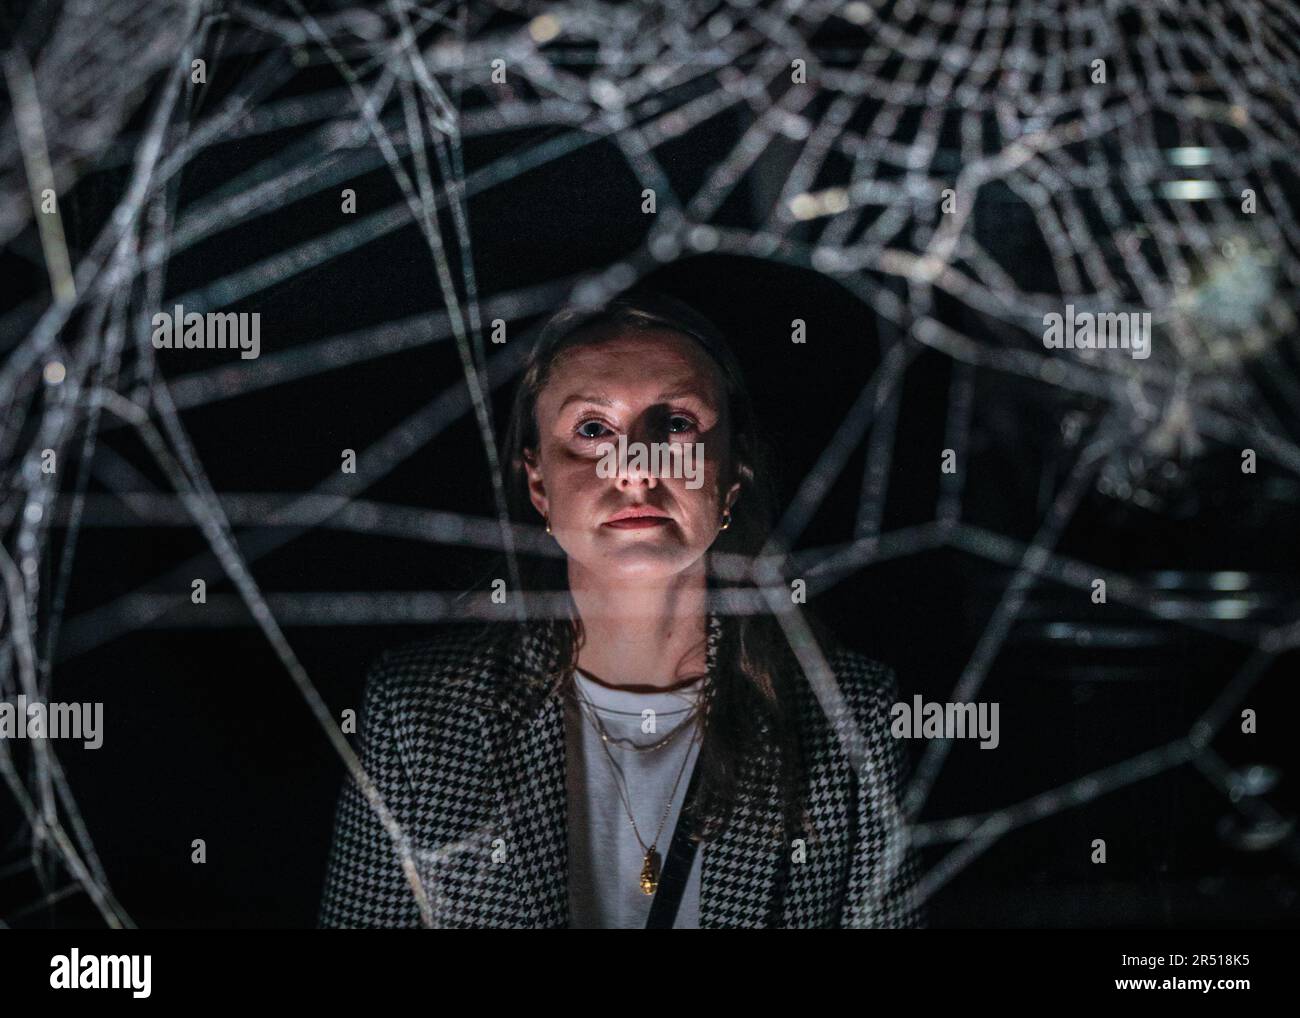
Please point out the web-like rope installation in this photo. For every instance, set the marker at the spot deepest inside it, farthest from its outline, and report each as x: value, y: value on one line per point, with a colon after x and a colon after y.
x: 1135, y: 184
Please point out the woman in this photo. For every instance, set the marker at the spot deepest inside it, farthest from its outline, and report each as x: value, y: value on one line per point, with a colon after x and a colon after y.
x: 642, y: 757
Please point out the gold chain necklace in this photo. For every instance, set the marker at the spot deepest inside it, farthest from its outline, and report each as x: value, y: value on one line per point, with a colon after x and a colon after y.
x: 610, y: 740
x: 651, y: 865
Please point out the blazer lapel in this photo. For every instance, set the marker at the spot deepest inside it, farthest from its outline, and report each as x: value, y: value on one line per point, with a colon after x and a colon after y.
x: 745, y: 868
x: 528, y: 768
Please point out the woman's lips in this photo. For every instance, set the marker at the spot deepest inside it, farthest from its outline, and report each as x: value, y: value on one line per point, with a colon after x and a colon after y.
x: 638, y: 522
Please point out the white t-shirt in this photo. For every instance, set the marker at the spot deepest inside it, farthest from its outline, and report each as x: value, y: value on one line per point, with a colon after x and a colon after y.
x: 605, y: 858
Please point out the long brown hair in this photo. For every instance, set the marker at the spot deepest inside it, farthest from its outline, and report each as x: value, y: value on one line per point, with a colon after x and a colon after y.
x: 750, y: 701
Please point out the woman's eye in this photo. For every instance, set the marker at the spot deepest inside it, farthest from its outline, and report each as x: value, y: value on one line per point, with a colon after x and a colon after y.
x: 585, y: 425
x: 678, y: 423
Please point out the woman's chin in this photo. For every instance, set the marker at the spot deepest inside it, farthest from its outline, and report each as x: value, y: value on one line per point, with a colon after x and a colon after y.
x: 639, y: 560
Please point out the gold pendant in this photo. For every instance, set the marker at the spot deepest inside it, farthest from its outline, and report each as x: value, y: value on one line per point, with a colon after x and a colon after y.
x: 650, y: 872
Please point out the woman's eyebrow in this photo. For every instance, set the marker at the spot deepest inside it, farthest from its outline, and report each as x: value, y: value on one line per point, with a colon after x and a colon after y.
x: 686, y: 394
x: 599, y: 400
x: 602, y: 400
x: 702, y: 398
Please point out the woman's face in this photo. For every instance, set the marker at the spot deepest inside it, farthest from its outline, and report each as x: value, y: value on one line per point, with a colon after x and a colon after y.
x: 655, y: 387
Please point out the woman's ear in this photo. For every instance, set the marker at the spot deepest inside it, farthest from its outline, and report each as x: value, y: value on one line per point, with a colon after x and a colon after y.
x: 733, y: 493
x: 536, y: 485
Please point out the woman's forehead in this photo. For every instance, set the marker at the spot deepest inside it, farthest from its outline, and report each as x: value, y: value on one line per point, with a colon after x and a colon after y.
x: 661, y: 362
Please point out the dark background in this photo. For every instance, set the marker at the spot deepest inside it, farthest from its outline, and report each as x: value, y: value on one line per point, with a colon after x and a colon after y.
x: 207, y: 737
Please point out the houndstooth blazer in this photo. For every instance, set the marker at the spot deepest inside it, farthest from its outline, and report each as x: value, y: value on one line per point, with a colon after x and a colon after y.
x: 466, y: 744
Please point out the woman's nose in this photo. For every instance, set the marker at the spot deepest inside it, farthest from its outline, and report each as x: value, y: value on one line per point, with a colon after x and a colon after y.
x: 639, y: 468
x: 638, y: 472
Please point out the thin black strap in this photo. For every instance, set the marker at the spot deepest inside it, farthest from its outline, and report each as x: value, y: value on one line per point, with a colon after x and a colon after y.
x: 677, y: 867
